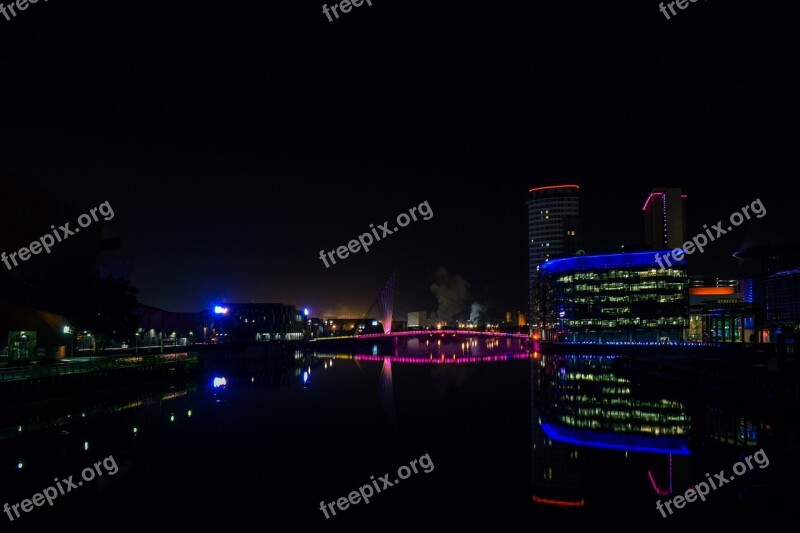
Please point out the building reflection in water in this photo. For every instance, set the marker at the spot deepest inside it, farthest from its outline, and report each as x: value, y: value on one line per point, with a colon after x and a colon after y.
x: 584, y: 415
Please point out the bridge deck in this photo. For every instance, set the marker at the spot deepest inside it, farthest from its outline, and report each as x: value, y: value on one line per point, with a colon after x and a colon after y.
x: 430, y: 333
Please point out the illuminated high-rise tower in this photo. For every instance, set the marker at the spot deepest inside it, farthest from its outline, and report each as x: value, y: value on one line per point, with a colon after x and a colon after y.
x: 553, y: 231
x: 665, y: 219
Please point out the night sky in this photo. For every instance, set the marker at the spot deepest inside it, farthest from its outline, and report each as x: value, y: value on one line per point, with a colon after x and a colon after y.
x: 236, y: 140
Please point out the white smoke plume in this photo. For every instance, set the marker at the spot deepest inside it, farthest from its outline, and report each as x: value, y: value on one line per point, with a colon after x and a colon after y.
x: 477, y: 311
x: 452, y: 294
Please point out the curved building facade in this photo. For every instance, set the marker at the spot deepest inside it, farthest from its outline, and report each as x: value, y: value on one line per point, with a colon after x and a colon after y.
x: 614, y: 298
x: 553, y: 231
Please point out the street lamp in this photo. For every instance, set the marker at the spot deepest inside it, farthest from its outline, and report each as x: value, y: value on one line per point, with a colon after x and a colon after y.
x: 91, y: 346
x: 68, y: 331
x: 24, y: 344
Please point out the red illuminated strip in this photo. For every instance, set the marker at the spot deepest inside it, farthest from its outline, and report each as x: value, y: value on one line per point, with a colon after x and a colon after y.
x: 650, y: 198
x: 659, y: 490
x: 558, y: 503
x: 548, y: 187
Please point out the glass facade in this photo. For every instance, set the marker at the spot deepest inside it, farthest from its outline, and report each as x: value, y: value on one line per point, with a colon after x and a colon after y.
x: 614, y: 298
x: 585, y: 393
x: 783, y: 296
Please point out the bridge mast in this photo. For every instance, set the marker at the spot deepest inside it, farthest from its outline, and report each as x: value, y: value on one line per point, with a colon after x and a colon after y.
x: 385, y: 303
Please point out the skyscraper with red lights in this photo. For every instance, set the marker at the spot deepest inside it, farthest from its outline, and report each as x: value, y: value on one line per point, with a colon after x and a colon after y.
x: 665, y: 219
x: 553, y: 231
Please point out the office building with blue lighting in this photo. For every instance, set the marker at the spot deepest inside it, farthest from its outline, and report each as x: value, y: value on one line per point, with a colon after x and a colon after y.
x: 769, y: 280
x: 614, y: 298
x: 248, y: 322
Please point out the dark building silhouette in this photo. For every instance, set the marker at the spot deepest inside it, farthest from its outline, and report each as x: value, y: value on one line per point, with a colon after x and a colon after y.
x: 253, y: 322
x: 34, y: 294
x: 665, y: 219
x: 769, y: 280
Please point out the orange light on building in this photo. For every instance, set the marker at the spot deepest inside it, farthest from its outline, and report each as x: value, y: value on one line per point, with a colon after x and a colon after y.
x: 711, y: 291
x: 547, y: 187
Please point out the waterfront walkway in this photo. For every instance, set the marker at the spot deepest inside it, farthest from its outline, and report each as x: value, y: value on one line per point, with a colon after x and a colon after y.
x: 66, y: 368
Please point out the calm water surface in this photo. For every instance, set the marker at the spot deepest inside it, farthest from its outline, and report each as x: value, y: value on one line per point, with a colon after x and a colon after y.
x: 512, y: 437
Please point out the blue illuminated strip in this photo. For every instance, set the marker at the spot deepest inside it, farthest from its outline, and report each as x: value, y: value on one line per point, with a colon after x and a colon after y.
x: 593, y: 262
x: 786, y: 273
x: 746, y: 290
x: 616, y: 441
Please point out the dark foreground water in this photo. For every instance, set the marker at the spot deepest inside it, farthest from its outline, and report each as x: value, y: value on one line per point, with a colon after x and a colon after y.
x: 500, y: 440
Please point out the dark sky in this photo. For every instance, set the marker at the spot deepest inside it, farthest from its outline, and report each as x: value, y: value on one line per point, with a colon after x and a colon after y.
x: 236, y: 140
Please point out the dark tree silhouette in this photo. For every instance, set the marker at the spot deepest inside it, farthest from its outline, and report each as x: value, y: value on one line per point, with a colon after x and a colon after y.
x: 107, y: 308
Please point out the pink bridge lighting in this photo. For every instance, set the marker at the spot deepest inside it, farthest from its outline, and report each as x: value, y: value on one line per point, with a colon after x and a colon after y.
x: 441, y: 360
x: 444, y: 332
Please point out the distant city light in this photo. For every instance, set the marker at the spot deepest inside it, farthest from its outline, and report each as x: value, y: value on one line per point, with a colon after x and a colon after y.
x: 220, y: 310
x: 305, y: 311
x: 220, y: 382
